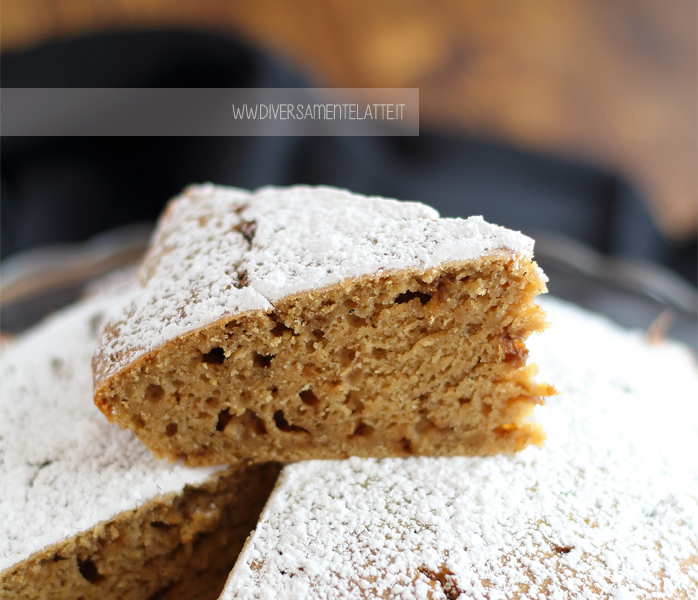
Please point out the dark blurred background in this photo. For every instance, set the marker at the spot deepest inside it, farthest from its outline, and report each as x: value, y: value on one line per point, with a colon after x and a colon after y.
x: 573, y: 121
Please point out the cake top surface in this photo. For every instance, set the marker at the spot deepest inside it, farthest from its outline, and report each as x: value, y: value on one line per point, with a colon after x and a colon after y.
x: 603, y: 509
x: 63, y: 468
x: 222, y: 251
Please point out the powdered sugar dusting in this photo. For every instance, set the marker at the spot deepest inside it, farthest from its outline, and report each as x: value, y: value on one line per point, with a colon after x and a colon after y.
x: 222, y: 251
x: 608, y: 508
x: 63, y: 468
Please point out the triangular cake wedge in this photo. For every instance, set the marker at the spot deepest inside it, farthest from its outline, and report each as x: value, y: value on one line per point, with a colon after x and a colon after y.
x: 299, y: 323
x: 607, y: 508
x: 85, y: 510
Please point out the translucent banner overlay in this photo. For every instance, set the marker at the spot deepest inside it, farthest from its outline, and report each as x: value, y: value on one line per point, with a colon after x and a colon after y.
x: 209, y: 111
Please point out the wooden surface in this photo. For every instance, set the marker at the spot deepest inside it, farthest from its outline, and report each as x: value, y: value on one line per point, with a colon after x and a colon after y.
x: 613, y: 82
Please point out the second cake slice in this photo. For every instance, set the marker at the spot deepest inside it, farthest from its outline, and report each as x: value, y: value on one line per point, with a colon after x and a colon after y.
x: 302, y: 323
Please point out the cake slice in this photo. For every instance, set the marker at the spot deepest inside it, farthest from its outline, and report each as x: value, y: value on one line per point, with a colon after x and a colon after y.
x: 85, y: 510
x: 607, y: 508
x: 299, y: 323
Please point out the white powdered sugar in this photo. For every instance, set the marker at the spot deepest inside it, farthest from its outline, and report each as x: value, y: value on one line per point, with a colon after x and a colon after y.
x: 607, y: 508
x: 222, y: 251
x: 63, y: 468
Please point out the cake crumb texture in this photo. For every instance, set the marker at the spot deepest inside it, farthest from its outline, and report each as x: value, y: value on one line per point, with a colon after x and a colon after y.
x: 607, y: 508
x: 299, y: 323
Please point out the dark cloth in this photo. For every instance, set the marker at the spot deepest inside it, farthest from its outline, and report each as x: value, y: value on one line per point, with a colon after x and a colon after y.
x: 68, y: 189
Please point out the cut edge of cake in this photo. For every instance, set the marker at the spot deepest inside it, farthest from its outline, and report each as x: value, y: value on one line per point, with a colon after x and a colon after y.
x: 180, y: 545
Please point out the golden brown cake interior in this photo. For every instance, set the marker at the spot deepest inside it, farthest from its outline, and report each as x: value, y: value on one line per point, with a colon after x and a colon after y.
x: 394, y: 364
x: 179, y: 546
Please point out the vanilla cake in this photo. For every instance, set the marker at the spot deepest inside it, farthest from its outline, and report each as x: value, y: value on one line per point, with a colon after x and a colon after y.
x: 86, y: 512
x: 299, y: 323
x: 607, y: 508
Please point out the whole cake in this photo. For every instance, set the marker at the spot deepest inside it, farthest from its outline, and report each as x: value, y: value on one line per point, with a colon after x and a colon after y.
x: 300, y: 323
x: 607, y: 508
x: 85, y: 510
